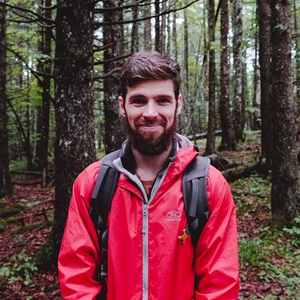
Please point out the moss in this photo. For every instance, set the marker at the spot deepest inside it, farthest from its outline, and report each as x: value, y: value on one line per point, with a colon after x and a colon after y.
x: 2, y: 225
x: 12, y: 210
x: 11, y: 219
x: 2, y: 203
x: 28, y: 227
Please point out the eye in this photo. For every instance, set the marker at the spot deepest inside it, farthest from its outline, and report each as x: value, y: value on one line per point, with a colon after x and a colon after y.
x: 138, y: 101
x: 163, y: 100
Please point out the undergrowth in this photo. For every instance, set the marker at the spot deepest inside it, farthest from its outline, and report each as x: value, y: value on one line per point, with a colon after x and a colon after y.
x: 272, y: 254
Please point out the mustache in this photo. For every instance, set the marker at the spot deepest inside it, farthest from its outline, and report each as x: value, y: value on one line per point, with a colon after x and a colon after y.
x: 146, y: 122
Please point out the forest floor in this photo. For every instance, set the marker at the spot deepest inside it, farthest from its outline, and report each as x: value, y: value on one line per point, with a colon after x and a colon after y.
x: 267, y: 272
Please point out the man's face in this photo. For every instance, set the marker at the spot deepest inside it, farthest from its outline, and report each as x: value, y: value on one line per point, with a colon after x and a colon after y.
x: 150, y: 109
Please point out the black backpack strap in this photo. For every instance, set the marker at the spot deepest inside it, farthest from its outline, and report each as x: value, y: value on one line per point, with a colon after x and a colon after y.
x: 100, y: 206
x: 194, y: 187
x: 104, y: 189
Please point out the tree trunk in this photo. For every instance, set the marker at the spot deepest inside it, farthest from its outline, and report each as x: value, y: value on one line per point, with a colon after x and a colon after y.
x: 134, y: 31
x: 227, y: 142
x: 210, y: 143
x: 297, y: 52
x: 5, y: 183
x: 285, y: 194
x: 113, y: 36
x: 147, y: 26
x: 163, y: 28
x: 157, y: 26
x: 186, y: 112
x: 264, y: 16
x: 238, y: 73
x: 42, y: 148
x: 74, y: 100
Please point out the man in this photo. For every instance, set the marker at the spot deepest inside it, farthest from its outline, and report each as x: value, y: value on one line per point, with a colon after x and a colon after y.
x: 146, y: 260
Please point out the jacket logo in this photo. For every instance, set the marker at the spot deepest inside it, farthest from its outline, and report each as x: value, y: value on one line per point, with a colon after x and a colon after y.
x: 173, y: 215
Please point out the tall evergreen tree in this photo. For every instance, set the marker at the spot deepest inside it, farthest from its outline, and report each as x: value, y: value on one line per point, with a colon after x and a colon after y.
x: 227, y: 142
x: 5, y: 184
x: 113, y: 40
x: 285, y: 194
x: 74, y: 99
x: 238, y: 69
x: 210, y: 144
x: 264, y: 19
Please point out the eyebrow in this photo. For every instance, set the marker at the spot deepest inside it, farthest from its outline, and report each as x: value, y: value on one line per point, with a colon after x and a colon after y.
x: 156, y: 96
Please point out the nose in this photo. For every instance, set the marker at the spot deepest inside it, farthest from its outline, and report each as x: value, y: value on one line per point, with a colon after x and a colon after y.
x: 150, y: 111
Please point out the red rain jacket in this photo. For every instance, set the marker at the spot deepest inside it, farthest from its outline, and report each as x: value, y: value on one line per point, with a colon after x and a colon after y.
x: 146, y: 260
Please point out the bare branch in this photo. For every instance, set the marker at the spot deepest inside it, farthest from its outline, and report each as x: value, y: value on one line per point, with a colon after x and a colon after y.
x: 164, y: 12
x: 29, y: 15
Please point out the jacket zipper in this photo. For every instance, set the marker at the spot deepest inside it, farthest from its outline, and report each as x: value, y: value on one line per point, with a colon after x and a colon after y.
x: 145, y: 252
x: 145, y: 230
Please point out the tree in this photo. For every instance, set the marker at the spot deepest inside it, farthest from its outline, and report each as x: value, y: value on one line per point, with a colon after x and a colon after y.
x: 74, y: 99
x: 264, y: 16
x: 147, y: 26
x: 238, y: 70
x: 186, y: 113
x: 210, y: 144
x: 5, y: 185
x: 285, y: 194
x: 227, y: 142
x: 43, y: 129
x: 113, y: 41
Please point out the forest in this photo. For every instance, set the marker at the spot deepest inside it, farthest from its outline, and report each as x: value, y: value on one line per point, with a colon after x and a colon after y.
x: 240, y: 70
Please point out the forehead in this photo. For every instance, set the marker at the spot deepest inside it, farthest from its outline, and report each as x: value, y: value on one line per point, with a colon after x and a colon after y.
x: 152, y: 88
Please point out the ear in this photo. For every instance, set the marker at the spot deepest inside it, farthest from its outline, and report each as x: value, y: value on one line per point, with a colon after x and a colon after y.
x: 179, y: 104
x: 121, y: 102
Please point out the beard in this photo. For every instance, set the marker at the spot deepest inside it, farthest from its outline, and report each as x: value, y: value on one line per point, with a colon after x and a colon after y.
x: 148, y: 143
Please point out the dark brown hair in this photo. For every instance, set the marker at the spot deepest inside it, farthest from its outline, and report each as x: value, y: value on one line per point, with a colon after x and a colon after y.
x: 149, y: 65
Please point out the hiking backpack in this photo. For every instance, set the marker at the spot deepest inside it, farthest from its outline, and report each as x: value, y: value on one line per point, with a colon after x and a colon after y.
x: 194, y: 195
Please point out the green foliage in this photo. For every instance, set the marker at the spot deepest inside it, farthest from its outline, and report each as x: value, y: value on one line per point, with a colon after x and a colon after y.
x: 250, y: 252
x: 19, y: 268
x: 18, y: 165
x: 276, y: 254
x: 270, y: 252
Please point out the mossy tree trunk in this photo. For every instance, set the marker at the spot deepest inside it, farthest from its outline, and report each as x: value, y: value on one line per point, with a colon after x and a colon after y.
x: 5, y: 186
x: 285, y: 195
x: 74, y: 100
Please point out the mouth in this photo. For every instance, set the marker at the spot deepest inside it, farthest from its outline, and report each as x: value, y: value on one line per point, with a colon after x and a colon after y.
x: 150, y: 126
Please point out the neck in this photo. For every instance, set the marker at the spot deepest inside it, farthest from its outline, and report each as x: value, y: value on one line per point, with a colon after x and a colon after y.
x: 147, y: 167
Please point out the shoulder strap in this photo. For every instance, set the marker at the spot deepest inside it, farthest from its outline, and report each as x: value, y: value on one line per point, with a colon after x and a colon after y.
x: 100, y: 206
x: 195, y: 196
x: 104, y: 190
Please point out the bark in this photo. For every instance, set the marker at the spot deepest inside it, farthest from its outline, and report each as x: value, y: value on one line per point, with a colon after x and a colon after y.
x: 147, y: 28
x: 227, y: 142
x: 113, y: 36
x: 5, y: 183
x: 163, y: 29
x: 210, y: 143
x: 174, y: 35
x: 285, y: 194
x: 186, y: 113
x: 297, y: 55
x: 238, y: 72
x: 264, y: 64
x: 134, y: 31
x: 157, y: 26
x: 43, y: 129
x: 74, y: 100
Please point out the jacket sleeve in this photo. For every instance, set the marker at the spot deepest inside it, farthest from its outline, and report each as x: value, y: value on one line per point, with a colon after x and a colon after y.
x: 79, y: 253
x: 217, y: 265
